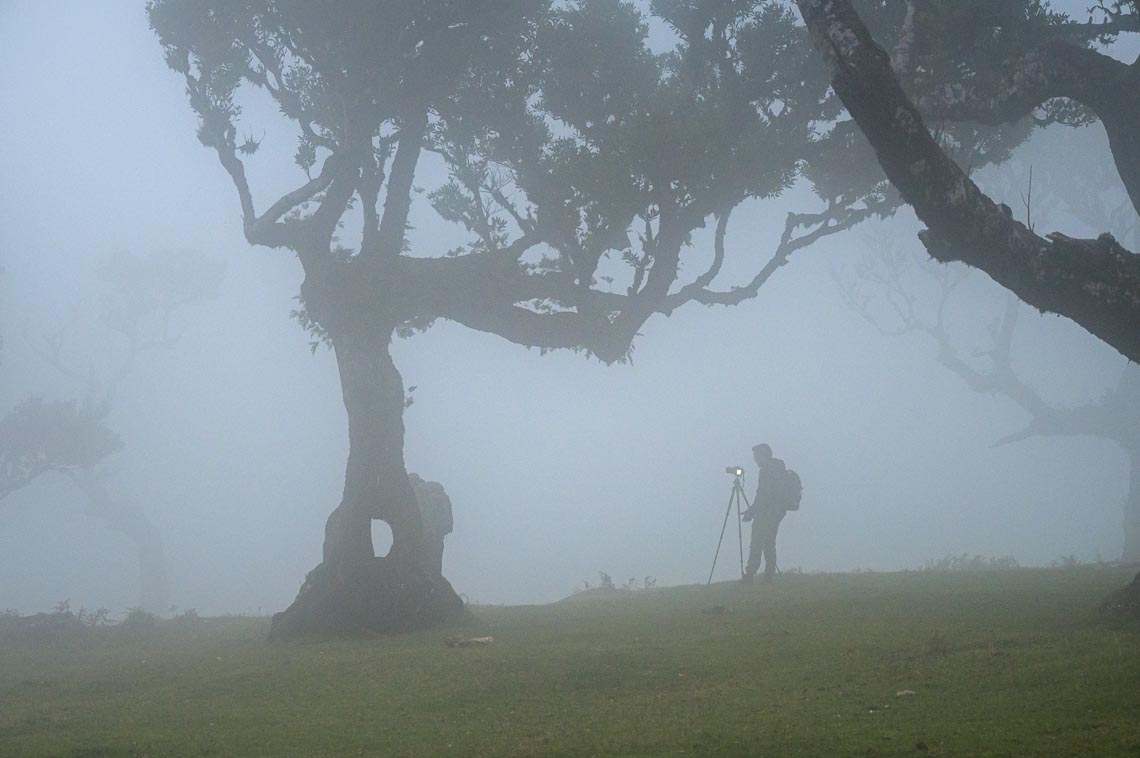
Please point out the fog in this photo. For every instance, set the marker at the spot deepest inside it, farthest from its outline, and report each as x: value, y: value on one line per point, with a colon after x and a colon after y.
x: 559, y: 467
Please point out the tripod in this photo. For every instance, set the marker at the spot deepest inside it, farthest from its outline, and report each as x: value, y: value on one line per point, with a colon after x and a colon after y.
x: 736, y: 496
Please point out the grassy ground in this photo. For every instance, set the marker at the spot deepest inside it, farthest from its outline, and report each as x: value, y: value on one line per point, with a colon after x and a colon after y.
x: 1000, y: 663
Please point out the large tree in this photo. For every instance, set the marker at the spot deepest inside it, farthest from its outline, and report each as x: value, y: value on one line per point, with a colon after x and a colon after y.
x: 947, y: 52
x: 581, y: 163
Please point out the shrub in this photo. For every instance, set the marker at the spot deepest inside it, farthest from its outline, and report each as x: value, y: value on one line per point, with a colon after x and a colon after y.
x: 967, y: 562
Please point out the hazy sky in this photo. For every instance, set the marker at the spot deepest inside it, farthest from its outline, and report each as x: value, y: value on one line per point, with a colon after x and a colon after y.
x: 558, y: 467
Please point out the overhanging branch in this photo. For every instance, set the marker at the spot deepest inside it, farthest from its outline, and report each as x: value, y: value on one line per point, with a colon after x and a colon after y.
x: 1094, y: 282
x: 1057, y: 69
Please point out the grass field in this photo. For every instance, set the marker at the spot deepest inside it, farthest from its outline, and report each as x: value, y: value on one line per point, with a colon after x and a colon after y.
x: 1000, y: 663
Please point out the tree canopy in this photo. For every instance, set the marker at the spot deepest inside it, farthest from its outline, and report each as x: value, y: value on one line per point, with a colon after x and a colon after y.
x: 581, y: 161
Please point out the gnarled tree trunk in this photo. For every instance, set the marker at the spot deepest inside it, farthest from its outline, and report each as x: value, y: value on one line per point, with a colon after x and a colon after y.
x: 352, y: 590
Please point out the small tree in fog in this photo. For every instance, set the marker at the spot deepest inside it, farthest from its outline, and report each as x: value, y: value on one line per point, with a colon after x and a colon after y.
x: 71, y: 437
x: 580, y: 164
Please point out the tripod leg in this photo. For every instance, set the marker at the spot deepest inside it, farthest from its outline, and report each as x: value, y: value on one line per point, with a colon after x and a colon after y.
x: 723, y: 526
x: 736, y: 490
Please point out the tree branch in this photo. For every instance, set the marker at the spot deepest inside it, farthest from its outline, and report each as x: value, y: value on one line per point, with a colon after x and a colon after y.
x: 266, y: 226
x: 398, y: 199
x: 1108, y: 87
x: 290, y: 103
x: 1094, y: 282
x: 835, y: 219
x: 491, y: 286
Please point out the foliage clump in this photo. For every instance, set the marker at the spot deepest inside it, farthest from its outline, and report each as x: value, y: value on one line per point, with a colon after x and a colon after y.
x: 967, y: 562
x: 43, y: 435
x: 64, y: 623
x: 606, y: 583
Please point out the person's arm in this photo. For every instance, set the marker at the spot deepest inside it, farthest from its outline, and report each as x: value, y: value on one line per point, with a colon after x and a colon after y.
x: 758, y: 498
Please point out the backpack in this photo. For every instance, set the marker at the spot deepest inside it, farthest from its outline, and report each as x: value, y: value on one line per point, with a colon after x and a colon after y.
x: 793, y: 490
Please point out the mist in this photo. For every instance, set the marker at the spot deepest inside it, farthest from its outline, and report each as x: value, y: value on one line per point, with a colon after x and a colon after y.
x: 234, y: 438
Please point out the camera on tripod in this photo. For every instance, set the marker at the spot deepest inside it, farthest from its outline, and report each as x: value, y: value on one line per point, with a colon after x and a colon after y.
x: 737, y: 499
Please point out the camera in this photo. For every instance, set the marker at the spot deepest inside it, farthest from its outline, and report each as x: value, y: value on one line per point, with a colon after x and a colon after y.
x: 734, y: 470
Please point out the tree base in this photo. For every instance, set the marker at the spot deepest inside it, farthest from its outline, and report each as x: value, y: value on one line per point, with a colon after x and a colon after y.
x: 1124, y: 604
x: 366, y: 600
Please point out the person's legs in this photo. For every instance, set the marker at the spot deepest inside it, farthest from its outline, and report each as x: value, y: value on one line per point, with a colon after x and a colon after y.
x: 770, y: 531
x: 755, y: 548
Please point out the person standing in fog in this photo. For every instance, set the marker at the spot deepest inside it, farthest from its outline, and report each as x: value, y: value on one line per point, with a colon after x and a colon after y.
x: 766, y: 512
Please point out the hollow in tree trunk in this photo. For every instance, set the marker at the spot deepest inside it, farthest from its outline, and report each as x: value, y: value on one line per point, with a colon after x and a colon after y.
x: 352, y: 591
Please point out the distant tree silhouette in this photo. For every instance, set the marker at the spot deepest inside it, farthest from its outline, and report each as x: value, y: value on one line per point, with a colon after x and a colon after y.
x: 71, y: 437
x: 885, y: 293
